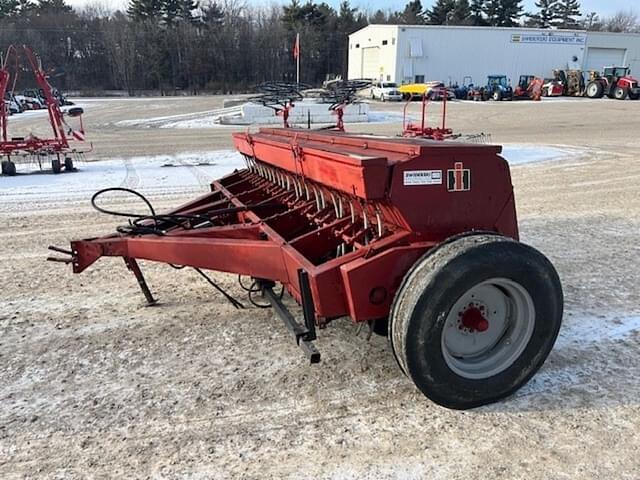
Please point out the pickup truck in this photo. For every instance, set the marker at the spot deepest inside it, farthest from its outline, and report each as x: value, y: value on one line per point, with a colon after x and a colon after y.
x: 384, y: 91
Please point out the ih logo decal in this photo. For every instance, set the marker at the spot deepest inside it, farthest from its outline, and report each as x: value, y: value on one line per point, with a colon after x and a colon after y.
x: 458, y: 179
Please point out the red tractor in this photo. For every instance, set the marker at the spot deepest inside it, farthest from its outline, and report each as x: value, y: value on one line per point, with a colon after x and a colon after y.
x: 615, y: 82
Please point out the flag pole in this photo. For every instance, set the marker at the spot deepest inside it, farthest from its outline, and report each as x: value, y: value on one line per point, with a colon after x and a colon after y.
x: 298, y: 59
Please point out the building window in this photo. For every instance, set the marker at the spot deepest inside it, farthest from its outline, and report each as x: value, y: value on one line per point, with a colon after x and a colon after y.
x: 385, y: 42
x: 357, y: 45
x: 419, y: 79
x: 388, y: 78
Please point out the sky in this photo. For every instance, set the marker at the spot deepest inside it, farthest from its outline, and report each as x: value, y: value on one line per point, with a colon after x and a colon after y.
x: 602, y: 7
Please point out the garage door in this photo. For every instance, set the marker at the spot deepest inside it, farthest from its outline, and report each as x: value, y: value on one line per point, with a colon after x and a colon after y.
x: 371, y: 62
x: 598, y: 58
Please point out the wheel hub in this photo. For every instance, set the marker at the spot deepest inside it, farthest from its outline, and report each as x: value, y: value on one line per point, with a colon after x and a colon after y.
x: 473, y: 318
x: 487, y: 328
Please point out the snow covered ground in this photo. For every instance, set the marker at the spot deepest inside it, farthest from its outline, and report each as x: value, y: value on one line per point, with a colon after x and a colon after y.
x: 211, y: 119
x: 182, y: 172
x: 186, y: 172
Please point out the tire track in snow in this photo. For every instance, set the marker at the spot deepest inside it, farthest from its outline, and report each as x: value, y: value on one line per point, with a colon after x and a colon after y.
x: 132, y: 179
x: 204, y: 179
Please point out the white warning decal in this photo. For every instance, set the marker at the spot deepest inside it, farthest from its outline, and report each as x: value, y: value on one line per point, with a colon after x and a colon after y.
x: 423, y: 177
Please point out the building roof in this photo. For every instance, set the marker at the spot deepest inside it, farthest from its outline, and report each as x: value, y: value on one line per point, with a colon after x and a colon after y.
x: 469, y: 27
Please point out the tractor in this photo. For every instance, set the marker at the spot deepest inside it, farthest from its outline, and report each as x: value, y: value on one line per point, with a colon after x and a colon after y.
x: 498, y: 88
x: 615, y: 82
x: 523, y: 89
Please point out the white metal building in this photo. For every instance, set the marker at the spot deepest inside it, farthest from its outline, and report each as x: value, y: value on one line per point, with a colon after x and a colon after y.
x: 417, y: 53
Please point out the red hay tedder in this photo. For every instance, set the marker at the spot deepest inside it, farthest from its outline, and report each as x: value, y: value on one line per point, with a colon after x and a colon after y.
x: 32, y: 149
x: 417, y: 237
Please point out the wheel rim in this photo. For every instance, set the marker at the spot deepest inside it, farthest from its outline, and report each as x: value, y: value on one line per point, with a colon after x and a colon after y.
x: 488, y: 328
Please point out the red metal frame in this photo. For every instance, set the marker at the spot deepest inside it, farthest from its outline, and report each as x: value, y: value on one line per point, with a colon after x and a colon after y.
x: 423, y: 130
x: 59, y: 144
x: 346, y: 209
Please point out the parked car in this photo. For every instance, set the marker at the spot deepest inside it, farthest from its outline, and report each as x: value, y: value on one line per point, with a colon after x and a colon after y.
x: 384, y: 91
x: 38, y: 94
x: 416, y: 90
x: 30, y: 103
x: 12, y: 104
x: 34, y: 93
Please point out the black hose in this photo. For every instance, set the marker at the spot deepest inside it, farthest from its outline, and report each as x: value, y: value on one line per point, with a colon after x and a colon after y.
x: 135, y: 227
x: 121, y: 214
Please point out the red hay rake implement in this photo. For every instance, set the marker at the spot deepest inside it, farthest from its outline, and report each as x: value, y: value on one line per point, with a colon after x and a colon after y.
x: 33, y: 149
x: 417, y: 237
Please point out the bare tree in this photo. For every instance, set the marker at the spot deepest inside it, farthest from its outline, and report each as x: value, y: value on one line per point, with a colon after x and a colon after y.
x: 623, y: 21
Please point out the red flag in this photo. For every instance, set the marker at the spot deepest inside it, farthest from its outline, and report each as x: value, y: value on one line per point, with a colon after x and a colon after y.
x: 296, y: 47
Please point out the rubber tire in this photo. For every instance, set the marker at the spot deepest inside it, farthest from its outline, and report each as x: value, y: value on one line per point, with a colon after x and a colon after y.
x: 68, y: 164
x: 597, y: 93
x: 382, y: 99
x: 8, y: 168
x: 431, y: 288
x: 497, y: 96
x: 620, y: 93
x: 634, y: 96
x: 56, y: 167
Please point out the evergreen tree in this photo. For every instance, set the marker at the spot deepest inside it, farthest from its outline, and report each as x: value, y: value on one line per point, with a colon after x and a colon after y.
x: 413, y: 13
x: 346, y: 17
x: 568, y: 12
x: 174, y: 11
x: 547, y: 15
x: 441, y: 13
x: 8, y: 8
x: 462, y: 13
x: 26, y: 6
x: 378, y: 18
x: 212, y: 14
x: 141, y: 10
x: 503, y: 13
x: 52, y: 6
x: 476, y: 16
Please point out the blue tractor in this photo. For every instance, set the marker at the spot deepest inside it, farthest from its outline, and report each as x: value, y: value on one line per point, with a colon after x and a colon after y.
x: 498, y: 88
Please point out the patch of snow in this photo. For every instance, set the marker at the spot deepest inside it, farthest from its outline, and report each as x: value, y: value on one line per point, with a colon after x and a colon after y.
x: 386, y: 117
x: 152, y: 174
x: 518, y: 154
x: 583, y: 333
x: 591, y: 329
